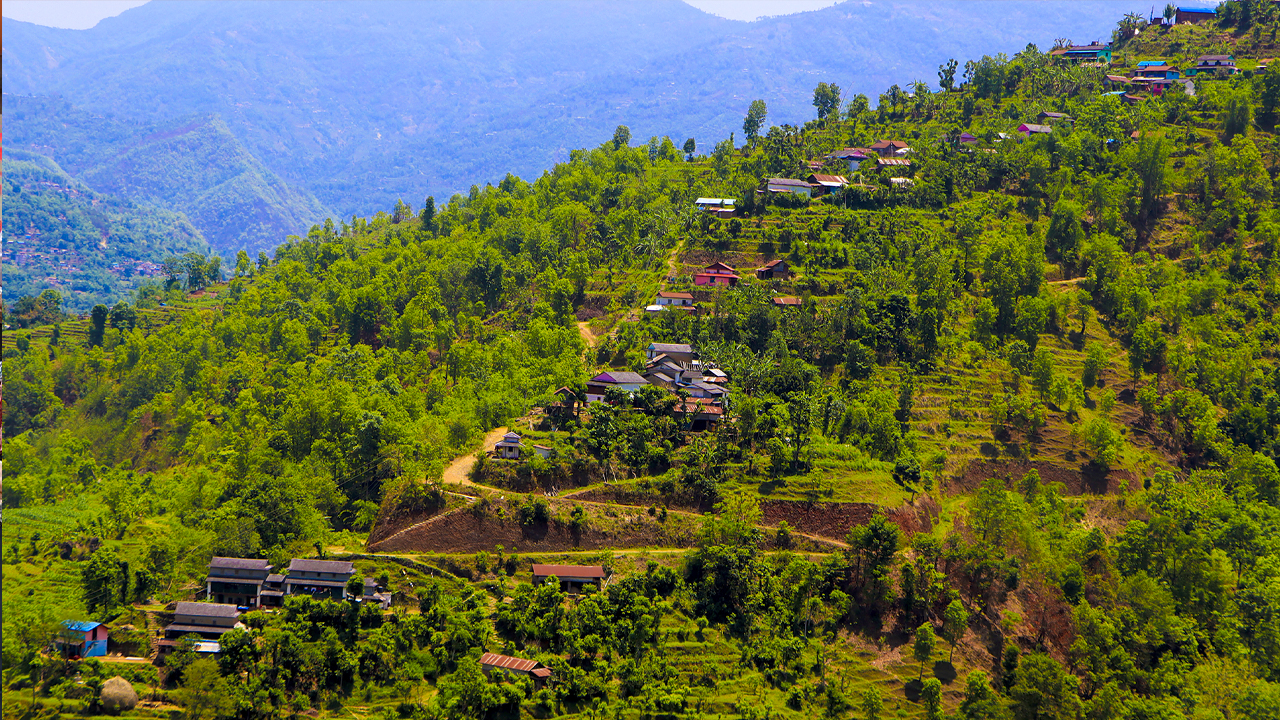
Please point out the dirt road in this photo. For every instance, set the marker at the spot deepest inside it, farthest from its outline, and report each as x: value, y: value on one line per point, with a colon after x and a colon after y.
x: 456, y: 473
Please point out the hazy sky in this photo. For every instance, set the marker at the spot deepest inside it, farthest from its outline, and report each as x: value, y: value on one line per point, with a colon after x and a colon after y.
x: 80, y: 14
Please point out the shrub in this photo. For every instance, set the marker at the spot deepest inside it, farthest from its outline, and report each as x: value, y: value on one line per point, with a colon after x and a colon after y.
x: 535, y: 510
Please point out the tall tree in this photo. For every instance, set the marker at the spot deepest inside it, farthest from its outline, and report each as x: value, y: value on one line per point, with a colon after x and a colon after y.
x: 621, y: 136
x: 826, y: 97
x: 955, y: 622
x: 922, y: 648
x: 98, y: 324
x: 947, y: 75
x: 754, y: 120
x: 428, y: 214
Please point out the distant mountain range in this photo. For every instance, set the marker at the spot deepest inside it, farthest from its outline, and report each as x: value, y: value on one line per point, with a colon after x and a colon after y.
x: 259, y: 118
x: 193, y: 165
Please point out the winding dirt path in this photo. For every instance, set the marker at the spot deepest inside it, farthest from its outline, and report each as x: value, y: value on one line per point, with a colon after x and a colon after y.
x: 671, y: 261
x: 584, y: 329
x: 456, y: 473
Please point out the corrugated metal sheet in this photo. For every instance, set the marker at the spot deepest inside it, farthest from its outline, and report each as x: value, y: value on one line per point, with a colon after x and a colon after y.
x: 506, y: 662
x: 235, y: 563
x: 563, y: 571
x: 330, y: 566
x: 199, y: 609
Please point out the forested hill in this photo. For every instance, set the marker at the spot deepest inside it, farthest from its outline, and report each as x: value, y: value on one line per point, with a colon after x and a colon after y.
x: 1008, y: 417
x: 90, y: 248
x: 361, y: 104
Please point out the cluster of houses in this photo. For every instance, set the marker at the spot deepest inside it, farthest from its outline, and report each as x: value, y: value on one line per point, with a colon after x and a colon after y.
x: 244, y: 583
x: 248, y: 582
x: 674, y: 367
x: 236, y: 585
x: 1157, y: 76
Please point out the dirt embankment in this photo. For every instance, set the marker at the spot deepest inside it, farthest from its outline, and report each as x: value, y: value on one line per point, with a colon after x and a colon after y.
x: 834, y: 520
x: 1085, y: 479
x: 466, y: 530
x: 642, y: 497
x: 388, y: 525
x: 828, y: 520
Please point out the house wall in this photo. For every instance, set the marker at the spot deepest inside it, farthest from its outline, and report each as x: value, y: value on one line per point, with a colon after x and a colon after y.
x: 95, y: 643
x: 204, y: 620
x: 707, y: 279
x: 233, y: 593
x: 1191, y: 17
x: 333, y: 593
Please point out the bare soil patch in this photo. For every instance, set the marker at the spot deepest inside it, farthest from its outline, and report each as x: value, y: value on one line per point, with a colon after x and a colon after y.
x: 388, y: 525
x: 1084, y: 479
x: 592, y: 307
x: 641, y: 497
x: 834, y: 520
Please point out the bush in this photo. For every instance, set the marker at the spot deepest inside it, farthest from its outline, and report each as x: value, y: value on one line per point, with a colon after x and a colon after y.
x: 1102, y: 440
x: 535, y: 510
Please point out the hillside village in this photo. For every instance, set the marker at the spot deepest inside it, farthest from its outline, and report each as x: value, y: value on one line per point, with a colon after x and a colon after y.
x: 964, y: 405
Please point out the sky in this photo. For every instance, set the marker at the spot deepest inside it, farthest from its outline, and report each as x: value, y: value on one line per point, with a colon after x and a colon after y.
x: 82, y: 14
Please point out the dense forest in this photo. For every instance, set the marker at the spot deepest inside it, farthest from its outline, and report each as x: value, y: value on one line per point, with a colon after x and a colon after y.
x: 1015, y: 429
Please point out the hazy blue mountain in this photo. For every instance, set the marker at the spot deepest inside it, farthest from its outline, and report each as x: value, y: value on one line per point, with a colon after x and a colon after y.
x: 359, y: 103
x: 193, y: 165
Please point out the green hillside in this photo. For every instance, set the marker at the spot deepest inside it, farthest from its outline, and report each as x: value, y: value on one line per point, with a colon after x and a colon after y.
x: 1011, y: 418
x: 89, y: 247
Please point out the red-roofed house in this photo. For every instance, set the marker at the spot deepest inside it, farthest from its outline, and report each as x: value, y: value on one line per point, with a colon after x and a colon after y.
x: 888, y: 148
x: 571, y: 577
x: 716, y: 274
x: 826, y: 183
x: 773, y: 269
x: 678, y: 299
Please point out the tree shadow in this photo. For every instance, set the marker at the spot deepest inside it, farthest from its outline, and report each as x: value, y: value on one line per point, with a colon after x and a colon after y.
x: 911, y: 689
x: 1094, y: 477
x: 768, y: 488
x: 990, y: 450
x: 534, y: 532
x: 945, y: 671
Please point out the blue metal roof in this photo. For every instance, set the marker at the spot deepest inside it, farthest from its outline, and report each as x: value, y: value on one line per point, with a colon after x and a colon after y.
x: 1213, y: 10
x: 80, y: 625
